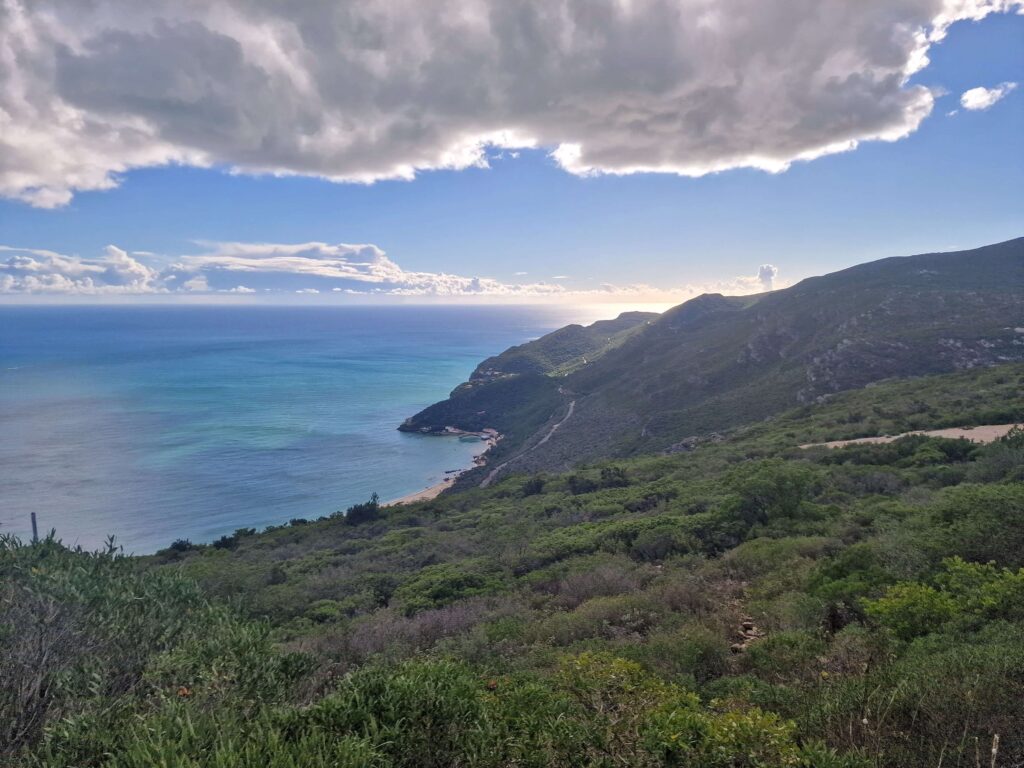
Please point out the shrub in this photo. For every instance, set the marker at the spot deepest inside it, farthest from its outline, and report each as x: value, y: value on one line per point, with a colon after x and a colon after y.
x: 90, y: 645
x: 439, y: 585
x: 694, y: 651
x: 366, y: 512
x: 322, y: 611
x: 422, y: 714
x: 642, y: 721
x: 967, y: 592
x: 980, y: 522
x: 609, y: 578
x: 533, y: 486
x: 770, y: 489
x: 786, y: 657
x: 580, y: 484
x: 654, y: 544
x: 614, y: 477
x: 941, y: 701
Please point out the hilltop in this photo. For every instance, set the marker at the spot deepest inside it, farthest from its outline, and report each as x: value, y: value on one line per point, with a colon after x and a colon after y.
x: 716, y: 362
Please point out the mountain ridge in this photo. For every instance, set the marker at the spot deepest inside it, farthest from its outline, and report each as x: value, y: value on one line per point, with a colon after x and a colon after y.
x: 716, y: 362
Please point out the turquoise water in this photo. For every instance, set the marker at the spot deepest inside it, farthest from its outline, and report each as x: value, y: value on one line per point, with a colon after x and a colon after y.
x: 153, y: 424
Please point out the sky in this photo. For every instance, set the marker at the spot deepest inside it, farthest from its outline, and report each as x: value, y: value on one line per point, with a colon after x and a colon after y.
x: 620, y: 151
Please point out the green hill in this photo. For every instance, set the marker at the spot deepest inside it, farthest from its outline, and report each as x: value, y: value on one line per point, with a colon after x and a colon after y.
x: 564, y: 350
x: 515, y: 392
x: 715, y: 362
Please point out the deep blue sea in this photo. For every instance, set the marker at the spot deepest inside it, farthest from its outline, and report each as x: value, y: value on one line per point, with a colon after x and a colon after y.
x: 158, y: 423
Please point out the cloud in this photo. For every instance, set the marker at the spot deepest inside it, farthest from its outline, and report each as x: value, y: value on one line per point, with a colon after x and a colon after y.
x: 27, y: 270
x: 306, y: 269
x: 983, y: 98
x: 382, y: 89
x: 766, y: 273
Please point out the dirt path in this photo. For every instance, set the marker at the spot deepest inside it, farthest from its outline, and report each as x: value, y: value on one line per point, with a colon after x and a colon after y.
x: 494, y: 472
x: 984, y: 434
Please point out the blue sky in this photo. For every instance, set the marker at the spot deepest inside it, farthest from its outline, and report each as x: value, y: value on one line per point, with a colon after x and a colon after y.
x: 954, y: 182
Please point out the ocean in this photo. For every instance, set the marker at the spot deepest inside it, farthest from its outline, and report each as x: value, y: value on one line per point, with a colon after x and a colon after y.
x: 152, y: 424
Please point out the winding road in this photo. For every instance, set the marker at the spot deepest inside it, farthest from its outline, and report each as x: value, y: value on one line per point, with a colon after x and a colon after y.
x: 494, y: 472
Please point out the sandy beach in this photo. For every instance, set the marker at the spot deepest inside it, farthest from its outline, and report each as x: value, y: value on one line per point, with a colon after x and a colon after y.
x: 488, y: 438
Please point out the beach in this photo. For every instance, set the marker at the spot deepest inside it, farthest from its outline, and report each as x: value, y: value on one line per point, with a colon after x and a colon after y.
x: 488, y: 438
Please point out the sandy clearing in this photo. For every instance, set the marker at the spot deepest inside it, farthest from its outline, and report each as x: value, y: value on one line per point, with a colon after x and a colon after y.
x: 983, y: 434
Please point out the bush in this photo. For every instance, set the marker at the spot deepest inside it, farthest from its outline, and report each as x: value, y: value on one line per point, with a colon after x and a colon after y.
x: 786, y: 657
x: 421, y: 714
x: 770, y: 489
x: 440, y: 585
x: 614, y: 477
x: 941, y: 701
x: 654, y: 544
x: 366, y: 512
x: 533, y: 486
x: 580, y: 484
x: 969, y: 593
x: 89, y: 642
x: 979, y: 522
x: 694, y: 652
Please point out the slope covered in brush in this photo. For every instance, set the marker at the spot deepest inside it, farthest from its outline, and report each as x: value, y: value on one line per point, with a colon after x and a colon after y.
x: 717, y: 362
x: 515, y: 392
x: 747, y: 603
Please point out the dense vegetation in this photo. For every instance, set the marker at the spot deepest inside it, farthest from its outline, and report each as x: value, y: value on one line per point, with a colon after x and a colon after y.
x: 564, y: 350
x: 517, y: 391
x: 744, y: 603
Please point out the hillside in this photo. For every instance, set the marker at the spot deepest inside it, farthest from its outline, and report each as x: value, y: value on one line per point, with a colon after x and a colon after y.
x: 516, y: 392
x: 564, y: 350
x: 715, y: 362
x: 745, y: 604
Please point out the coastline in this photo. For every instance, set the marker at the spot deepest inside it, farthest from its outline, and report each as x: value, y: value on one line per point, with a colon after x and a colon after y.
x: 488, y: 437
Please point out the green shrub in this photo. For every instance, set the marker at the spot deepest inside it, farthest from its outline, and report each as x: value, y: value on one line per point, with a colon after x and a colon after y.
x: 786, y: 657
x: 979, y: 522
x: 966, y: 592
x: 439, y: 585
x: 693, y: 652
x: 943, y: 700
x: 421, y: 714
x: 365, y: 512
x: 770, y: 489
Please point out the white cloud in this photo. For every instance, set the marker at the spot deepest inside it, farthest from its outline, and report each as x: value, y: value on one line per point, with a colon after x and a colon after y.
x: 306, y: 269
x: 32, y: 270
x: 767, y: 273
x: 983, y: 98
x: 385, y: 88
